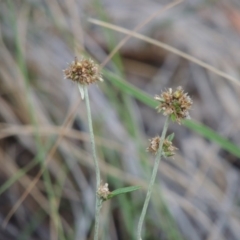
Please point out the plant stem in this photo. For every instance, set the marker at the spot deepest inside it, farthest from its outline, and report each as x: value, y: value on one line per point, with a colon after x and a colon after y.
x: 98, y: 202
x: 97, y: 215
x: 152, y: 180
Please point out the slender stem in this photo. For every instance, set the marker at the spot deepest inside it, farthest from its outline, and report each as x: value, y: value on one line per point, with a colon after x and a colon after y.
x: 97, y: 215
x: 152, y: 180
x: 98, y: 202
x: 92, y: 137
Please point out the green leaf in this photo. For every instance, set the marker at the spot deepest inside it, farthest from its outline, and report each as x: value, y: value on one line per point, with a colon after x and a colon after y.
x: 170, y: 137
x: 173, y: 117
x: 213, y: 136
x: 122, y: 191
x: 168, y: 154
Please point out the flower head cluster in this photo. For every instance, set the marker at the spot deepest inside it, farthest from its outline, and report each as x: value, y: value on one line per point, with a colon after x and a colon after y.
x: 174, y: 103
x: 103, y: 191
x: 168, y: 149
x: 83, y: 72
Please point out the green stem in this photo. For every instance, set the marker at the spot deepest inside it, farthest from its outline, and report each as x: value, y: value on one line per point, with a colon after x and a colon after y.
x: 92, y: 137
x: 97, y: 215
x: 152, y: 180
x: 98, y: 203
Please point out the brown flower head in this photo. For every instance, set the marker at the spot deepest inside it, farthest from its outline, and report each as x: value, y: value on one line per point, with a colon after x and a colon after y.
x: 103, y: 191
x: 168, y: 148
x: 83, y: 72
x: 176, y: 104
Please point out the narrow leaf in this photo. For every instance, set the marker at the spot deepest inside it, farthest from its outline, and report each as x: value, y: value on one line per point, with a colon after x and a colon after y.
x: 173, y: 117
x: 170, y: 137
x: 80, y: 87
x: 122, y: 191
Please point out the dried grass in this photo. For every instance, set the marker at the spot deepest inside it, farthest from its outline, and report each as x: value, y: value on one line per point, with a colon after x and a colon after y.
x: 201, y: 51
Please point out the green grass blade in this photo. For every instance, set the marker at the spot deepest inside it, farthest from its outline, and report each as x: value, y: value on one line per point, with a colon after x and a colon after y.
x: 210, y: 134
x: 122, y: 191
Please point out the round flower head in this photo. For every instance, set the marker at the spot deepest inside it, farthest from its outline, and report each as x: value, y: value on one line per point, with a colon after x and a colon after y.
x: 83, y: 72
x: 176, y: 104
x: 168, y: 148
x: 103, y: 191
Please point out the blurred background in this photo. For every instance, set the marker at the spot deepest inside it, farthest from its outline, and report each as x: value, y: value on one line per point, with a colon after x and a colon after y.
x: 47, y: 179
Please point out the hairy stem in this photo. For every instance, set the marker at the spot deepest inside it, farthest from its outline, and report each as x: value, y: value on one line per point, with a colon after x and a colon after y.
x: 152, y: 180
x: 98, y: 202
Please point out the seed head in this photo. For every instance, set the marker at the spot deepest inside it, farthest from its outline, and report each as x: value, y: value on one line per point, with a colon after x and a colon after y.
x: 103, y: 191
x: 83, y: 72
x: 176, y: 104
x: 168, y: 148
